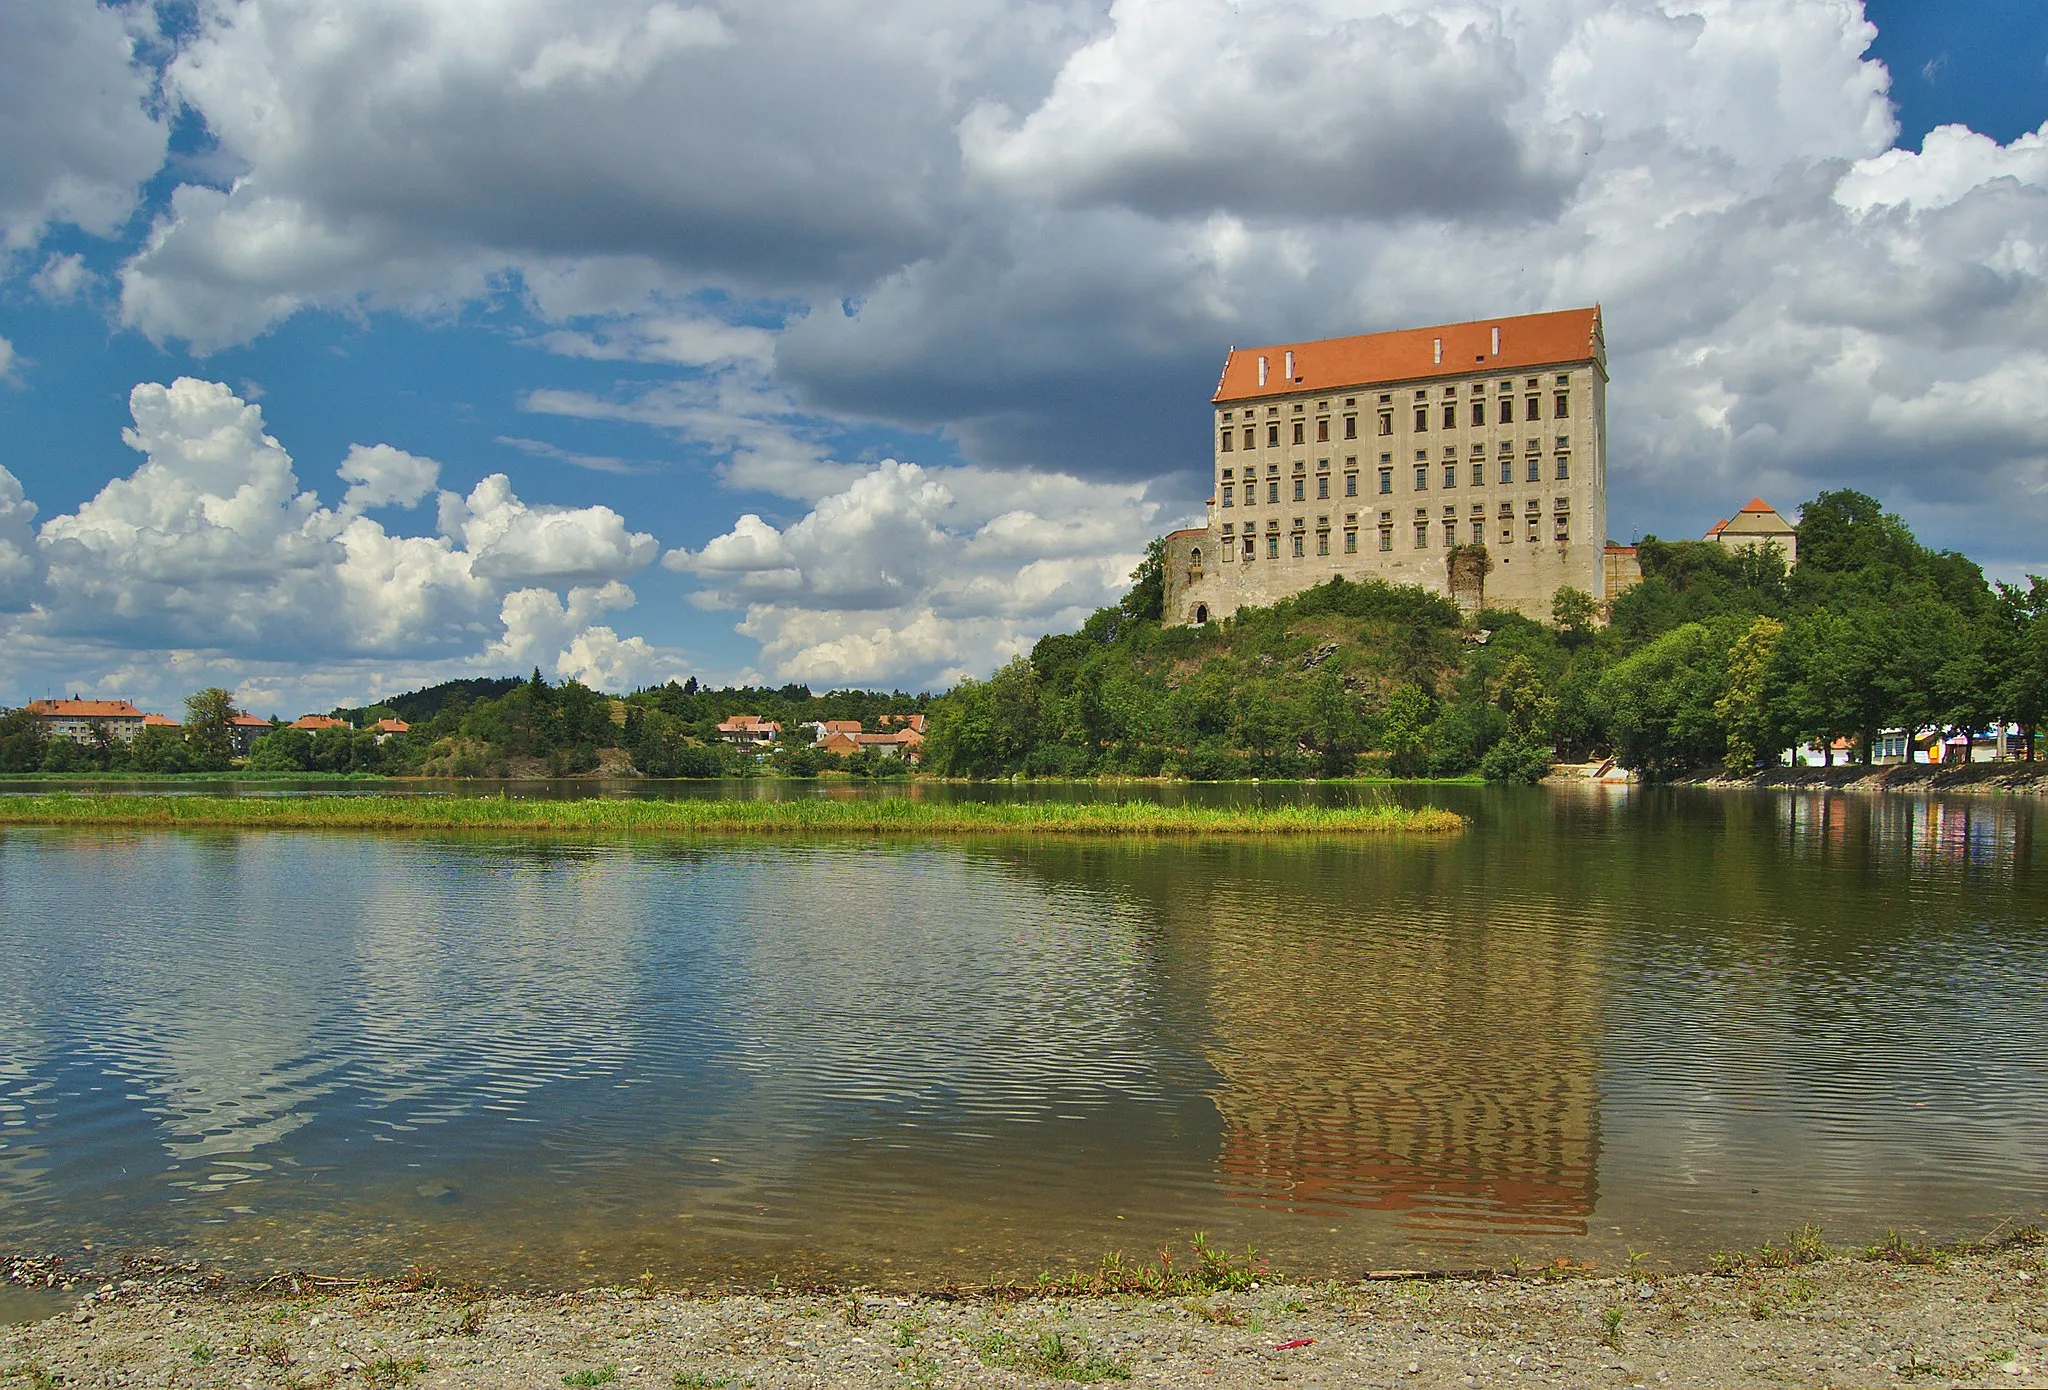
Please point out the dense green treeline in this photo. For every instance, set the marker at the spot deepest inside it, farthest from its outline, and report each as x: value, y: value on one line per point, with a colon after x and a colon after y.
x: 489, y: 728
x: 1718, y: 657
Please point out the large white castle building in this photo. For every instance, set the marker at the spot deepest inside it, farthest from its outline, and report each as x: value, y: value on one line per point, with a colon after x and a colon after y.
x: 1470, y: 459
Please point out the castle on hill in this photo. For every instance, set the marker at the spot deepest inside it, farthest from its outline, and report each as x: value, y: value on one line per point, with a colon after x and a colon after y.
x: 1469, y: 459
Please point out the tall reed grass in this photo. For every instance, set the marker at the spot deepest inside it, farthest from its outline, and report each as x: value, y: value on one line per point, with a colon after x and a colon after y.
x: 805, y: 816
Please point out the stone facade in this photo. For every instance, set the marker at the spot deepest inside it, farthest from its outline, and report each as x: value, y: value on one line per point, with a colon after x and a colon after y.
x: 1469, y: 459
x: 1757, y: 524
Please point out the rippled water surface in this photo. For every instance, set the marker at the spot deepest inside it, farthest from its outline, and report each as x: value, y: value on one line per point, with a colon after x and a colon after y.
x: 1664, y: 1021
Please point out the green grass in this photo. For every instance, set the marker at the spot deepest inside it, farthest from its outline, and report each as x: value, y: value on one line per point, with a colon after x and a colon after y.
x: 1049, y: 1354
x: 602, y: 1375
x: 805, y: 816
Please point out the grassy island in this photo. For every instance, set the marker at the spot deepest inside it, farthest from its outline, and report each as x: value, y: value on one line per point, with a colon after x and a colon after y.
x: 807, y: 816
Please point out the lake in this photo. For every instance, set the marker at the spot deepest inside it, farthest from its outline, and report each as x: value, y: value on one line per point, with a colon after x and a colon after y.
x: 1600, y: 1021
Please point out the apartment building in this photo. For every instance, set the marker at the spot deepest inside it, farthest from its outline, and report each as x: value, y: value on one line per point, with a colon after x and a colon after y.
x: 1469, y: 458
x: 85, y: 721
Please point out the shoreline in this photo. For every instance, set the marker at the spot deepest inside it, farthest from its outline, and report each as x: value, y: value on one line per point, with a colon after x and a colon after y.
x: 803, y: 816
x: 1896, y: 1314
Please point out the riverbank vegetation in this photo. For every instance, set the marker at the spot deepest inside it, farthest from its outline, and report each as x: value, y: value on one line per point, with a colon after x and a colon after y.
x: 1717, y: 659
x: 798, y: 816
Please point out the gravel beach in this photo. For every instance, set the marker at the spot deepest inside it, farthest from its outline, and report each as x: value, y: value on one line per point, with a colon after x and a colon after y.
x: 1977, y: 1318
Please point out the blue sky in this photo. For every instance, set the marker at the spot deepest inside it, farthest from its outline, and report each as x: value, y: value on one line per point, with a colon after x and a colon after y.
x: 774, y: 343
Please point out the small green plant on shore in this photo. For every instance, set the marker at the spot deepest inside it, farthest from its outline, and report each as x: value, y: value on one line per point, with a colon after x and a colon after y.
x: 202, y: 1354
x: 906, y: 1330
x: 394, y: 1370
x: 699, y: 1380
x: 918, y: 1368
x: 1050, y: 1354
x: 598, y: 1375
x: 855, y: 1311
x: 38, y: 1376
x: 1803, y: 1246
x: 1213, y: 1271
x: 1610, y: 1328
x: 272, y: 1351
x: 1896, y: 1249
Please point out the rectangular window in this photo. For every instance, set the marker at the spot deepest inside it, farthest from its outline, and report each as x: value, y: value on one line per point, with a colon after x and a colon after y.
x: 1450, y: 533
x: 1323, y: 486
x: 1479, y: 530
x: 1422, y: 535
x: 1563, y: 523
x: 1421, y: 419
x: 1564, y: 406
x: 1228, y: 489
x: 1507, y: 523
x: 1322, y: 431
x: 1272, y: 547
x: 1249, y: 431
x: 1351, y: 485
x: 1422, y: 477
x: 1386, y: 535
x: 1351, y: 542
x: 1507, y: 470
x: 1535, y: 468
x: 1249, y: 543
x: 1564, y: 467
x: 1529, y: 405
x: 1272, y: 436
x: 1478, y: 413
x: 1322, y: 542
x: 1450, y: 475
x: 1386, y: 423
x: 1297, y: 489
x: 1478, y: 474
x: 1351, y: 427
x: 1535, y: 520
x: 1228, y: 435
x: 1507, y: 410
x: 1450, y: 415
x: 1273, y: 491
x: 1386, y: 481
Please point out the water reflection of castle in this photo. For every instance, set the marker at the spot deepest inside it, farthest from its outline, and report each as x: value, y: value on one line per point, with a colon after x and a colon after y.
x: 1390, y: 1035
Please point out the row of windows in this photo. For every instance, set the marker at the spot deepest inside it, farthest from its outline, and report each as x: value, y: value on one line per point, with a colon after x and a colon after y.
x: 1532, y: 472
x: 1476, y: 412
x: 1477, y: 525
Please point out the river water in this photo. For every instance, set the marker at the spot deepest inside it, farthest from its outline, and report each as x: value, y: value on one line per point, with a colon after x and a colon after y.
x: 1598, y: 1022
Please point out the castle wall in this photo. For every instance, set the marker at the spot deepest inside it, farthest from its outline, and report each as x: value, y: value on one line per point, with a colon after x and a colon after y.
x: 1387, y: 480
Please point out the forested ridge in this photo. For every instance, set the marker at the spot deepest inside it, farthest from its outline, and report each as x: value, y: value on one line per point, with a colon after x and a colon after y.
x: 1718, y: 657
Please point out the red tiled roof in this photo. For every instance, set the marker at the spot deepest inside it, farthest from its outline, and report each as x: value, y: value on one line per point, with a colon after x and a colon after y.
x: 159, y: 721
x: 1189, y: 531
x: 392, y: 726
x: 1757, y: 504
x: 1717, y: 528
x: 84, y: 709
x: 318, y: 721
x: 248, y: 721
x: 1410, y: 354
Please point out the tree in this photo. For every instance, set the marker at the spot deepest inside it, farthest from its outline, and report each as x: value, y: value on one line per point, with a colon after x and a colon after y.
x: 1574, y: 614
x: 1744, y: 708
x: 1659, y: 702
x: 1333, y: 724
x: 21, y: 742
x: 1404, y: 729
x: 159, y: 748
x: 1146, y: 599
x: 207, y: 740
x: 985, y: 728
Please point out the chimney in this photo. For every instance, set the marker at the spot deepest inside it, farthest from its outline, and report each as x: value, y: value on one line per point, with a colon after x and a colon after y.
x: 1439, y: 358
x: 1290, y: 364
x: 1496, y: 340
x: 1262, y: 369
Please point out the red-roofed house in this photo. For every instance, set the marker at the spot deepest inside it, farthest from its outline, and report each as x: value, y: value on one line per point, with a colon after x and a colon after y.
x: 160, y: 721
x: 313, y: 723
x: 1758, y: 523
x: 84, y: 721
x: 749, y: 730
x: 1467, y: 458
x: 390, y: 728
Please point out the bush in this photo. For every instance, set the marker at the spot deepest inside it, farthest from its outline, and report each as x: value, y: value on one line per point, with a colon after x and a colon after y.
x: 1516, y: 759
